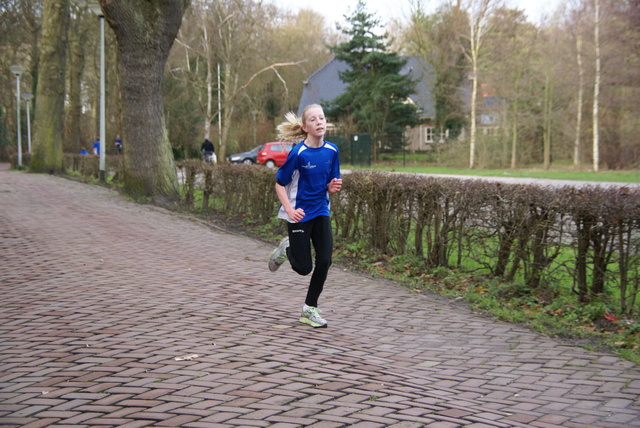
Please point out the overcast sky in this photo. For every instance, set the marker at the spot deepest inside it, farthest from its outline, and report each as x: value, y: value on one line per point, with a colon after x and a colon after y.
x: 334, y: 10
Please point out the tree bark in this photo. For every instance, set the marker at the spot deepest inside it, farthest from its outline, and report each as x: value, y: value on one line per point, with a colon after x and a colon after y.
x: 547, y: 115
x: 514, y: 136
x: 576, y: 144
x: 145, y: 31
x: 73, y: 136
x: 479, y: 11
x: 474, y: 96
x: 49, y: 113
x: 596, y: 92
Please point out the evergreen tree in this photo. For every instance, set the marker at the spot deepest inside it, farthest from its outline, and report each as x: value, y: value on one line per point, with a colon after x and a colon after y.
x: 376, y: 95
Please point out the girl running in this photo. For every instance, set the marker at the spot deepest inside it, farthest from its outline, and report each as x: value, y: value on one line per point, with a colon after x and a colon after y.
x: 303, y: 184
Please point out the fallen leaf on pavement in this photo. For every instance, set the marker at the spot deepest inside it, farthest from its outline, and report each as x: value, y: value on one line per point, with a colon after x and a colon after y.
x: 186, y: 357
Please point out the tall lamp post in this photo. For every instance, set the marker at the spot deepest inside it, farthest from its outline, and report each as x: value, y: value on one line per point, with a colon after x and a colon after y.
x: 95, y: 8
x: 27, y: 99
x: 17, y: 70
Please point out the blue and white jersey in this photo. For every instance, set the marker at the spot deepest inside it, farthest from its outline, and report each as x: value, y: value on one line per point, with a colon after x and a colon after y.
x: 305, y: 175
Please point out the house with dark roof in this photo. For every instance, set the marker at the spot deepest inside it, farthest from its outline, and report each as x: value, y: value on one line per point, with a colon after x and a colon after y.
x: 324, y: 85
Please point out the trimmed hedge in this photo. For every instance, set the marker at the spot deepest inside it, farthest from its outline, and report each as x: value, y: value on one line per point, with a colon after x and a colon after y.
x: 534, y: 235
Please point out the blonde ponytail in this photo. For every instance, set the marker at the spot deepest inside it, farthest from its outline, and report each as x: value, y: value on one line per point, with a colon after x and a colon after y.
x: 291, y: 128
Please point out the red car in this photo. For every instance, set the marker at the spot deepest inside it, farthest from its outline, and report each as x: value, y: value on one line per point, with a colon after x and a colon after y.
x: 273, y: 154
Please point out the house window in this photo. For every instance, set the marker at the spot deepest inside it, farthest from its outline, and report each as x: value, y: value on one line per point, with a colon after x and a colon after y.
x: 429, y: 134
x: 491, y: 131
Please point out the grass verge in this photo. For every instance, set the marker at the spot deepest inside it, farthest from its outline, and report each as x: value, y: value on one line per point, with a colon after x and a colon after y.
x: 627, y: 176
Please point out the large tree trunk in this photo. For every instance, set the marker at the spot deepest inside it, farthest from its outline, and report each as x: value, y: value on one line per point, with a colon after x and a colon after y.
x: 145, y: 31
x: 73, y: 136
x: 49, y: 113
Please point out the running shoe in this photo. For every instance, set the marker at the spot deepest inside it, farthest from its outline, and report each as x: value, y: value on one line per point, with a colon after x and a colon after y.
x: 311, y: 315
x: 279, y: 255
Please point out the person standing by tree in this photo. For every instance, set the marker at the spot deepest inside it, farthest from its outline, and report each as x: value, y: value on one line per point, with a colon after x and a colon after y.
x: 303, y: 184
x: 208, y: 150
x: 118, y: 144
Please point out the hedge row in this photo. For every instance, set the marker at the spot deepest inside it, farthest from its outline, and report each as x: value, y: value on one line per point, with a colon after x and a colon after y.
x: 533, y: 234
x: 237, y: 189
x: 536, y: 236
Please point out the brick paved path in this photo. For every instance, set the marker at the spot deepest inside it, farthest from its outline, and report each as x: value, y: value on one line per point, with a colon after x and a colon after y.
x: 99, y: 295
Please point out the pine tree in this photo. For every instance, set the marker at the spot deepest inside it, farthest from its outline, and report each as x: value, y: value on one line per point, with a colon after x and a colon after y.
x: 376, y: 95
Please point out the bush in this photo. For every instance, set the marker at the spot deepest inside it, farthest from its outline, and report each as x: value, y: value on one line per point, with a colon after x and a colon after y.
x: 552, y: 241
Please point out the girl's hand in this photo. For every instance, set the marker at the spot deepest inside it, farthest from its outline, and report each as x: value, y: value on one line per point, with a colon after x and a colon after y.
x: 296, y: 215
x: 335, y: 185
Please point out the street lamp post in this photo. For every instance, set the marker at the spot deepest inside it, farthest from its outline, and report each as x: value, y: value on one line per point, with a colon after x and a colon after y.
x: 95, y: 8
x: 17, y: 70
x: 27, y: 99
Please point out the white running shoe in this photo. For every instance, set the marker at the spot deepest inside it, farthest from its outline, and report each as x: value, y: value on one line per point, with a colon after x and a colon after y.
x: 311, y: 315
x: 279, y: 255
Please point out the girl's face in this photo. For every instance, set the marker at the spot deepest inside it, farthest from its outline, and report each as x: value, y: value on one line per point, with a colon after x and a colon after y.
x: 315, y: 123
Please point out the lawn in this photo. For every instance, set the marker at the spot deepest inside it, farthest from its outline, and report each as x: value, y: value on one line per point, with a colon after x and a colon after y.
x: 623, y: 176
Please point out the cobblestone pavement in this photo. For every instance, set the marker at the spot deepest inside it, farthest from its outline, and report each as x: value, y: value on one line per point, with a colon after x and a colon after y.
x: 99, y: 296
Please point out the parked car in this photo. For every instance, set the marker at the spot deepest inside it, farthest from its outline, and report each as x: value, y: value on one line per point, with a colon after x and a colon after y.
x: 245, y: 157
x: 274, y: 154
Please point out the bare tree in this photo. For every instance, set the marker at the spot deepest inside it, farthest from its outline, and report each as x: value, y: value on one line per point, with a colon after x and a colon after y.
x: 511, y: 53
x: 575, y: 25
x: 547, y: 114
x: 49, y: 112
x: 227, y: 43
x: 596, y: 89
x: 236, y: 47
x: 479, y: 12
x: 580, y: 101
x: 550, y: 69
x: 145, y: 31
x: 195, y: 43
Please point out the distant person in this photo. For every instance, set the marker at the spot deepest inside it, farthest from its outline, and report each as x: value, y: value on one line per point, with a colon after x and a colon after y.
x: 118, y: 144
x: 96, y: 147
x: 208, y: 150
x: 84, y: 151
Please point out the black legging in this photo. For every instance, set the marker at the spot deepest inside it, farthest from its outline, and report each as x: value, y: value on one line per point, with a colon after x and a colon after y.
x: 301, y: 236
